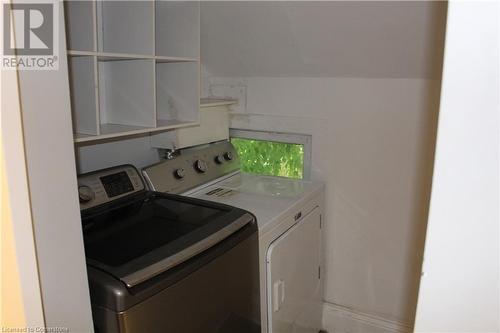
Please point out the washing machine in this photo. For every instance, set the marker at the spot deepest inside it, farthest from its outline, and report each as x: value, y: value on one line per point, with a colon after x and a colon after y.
x: 160, y: 262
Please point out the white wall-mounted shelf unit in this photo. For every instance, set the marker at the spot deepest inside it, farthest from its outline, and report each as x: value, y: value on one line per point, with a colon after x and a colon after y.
x: 134, y: 66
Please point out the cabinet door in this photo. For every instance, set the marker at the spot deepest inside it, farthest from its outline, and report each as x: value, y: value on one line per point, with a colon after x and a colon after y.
x: 293, y: 278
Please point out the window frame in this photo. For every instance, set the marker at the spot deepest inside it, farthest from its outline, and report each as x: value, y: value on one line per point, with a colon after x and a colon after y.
x: 294, y: 138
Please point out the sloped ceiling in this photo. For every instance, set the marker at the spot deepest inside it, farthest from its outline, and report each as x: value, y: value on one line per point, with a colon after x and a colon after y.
x: 372, y: 39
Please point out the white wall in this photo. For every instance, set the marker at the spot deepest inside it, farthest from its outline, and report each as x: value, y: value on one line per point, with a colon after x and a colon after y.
x: 362, y: 79
x: 372, y: 145
x: 135, y: 150
x: 460, y: 289
x: 369, y: 39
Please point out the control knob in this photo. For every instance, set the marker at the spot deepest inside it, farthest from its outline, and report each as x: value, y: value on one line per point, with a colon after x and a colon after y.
x: 201, y: 166
x: 85, y: 194
x: 180, y: 173
x: 228, y: 156
x: 219, y: 159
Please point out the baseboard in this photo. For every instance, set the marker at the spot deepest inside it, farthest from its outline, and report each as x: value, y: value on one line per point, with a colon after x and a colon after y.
x: 339, y: 319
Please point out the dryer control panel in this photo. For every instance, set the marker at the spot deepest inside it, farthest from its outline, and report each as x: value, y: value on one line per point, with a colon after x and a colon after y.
x: 192, y: 167
x: 102, y: 186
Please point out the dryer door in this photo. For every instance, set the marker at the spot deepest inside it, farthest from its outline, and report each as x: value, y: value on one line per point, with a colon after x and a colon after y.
x: 293, y: 278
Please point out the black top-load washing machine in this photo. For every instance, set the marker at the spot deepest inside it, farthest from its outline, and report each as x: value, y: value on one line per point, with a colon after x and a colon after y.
x: 165, y: 263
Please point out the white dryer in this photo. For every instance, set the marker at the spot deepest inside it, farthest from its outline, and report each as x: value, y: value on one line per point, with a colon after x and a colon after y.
x: 289, y: 217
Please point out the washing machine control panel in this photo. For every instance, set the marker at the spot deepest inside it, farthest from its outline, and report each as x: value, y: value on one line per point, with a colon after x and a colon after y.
x: 100, y: 187
x: 192, y: 167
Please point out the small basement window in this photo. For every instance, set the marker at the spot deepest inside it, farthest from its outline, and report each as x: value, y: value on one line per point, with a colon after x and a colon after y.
x: 273, y: 154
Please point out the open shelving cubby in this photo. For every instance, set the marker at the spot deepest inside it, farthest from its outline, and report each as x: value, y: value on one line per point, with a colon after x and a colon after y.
x: 126, y: 95
x: 81, y: 25
x: 84, y: 97
x: 126, y: 27
x: 177, y: 93
x: 133, y: 66
x: 177, y: 29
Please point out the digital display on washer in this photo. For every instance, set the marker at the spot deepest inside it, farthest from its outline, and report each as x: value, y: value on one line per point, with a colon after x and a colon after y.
x: 116, y: 184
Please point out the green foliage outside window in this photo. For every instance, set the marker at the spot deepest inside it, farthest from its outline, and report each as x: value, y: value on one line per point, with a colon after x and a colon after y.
x: 270, y: 158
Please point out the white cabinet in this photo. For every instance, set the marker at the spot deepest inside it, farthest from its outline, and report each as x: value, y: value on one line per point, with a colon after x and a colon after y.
x: 133, y: 66
x: 293, y: 278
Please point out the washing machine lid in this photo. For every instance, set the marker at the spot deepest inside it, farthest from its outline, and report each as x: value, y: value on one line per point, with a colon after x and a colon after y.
x: 146, y: 235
